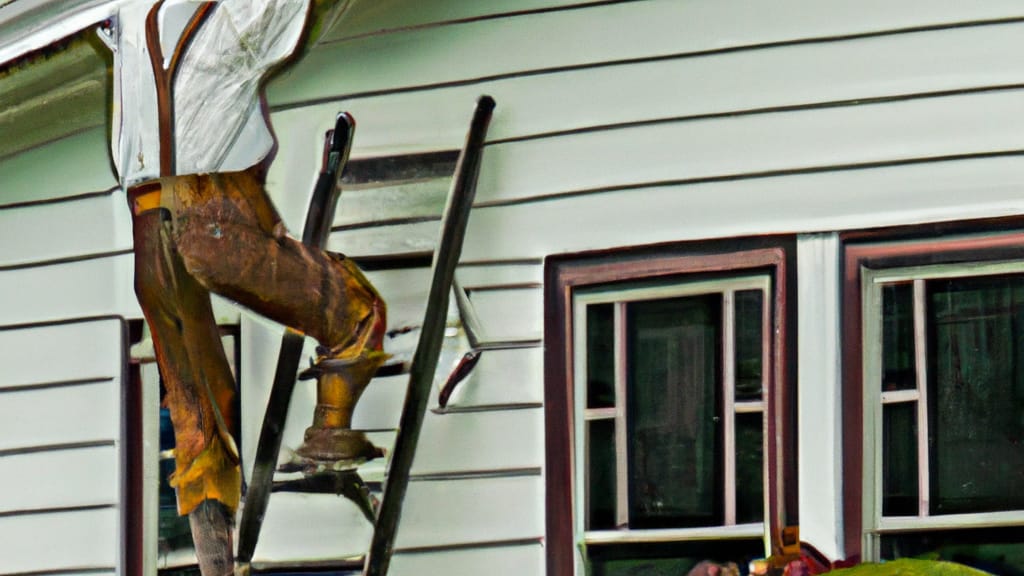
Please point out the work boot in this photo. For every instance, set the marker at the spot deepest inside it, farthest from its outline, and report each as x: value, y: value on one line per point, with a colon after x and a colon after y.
x: 342, y: 376
x: 340, y: 383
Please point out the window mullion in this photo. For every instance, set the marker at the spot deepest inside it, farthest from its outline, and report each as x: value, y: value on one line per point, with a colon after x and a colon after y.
x: 728, y: 405
x: 921, y: 370
x: 621, y: 441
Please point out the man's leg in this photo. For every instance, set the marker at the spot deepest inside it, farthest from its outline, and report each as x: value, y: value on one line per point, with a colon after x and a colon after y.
x: 194, y: 371
x: 232, y: 241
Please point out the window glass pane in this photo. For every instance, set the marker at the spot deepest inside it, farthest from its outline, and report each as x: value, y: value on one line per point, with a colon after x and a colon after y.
x: 749, y: 467
x: 749, y: 340
x: 600, y: 356
x: 899, y: 459
x: 600, y: 474
x: 976, y: 394
x: 674, y: 460
x: 898, y: 337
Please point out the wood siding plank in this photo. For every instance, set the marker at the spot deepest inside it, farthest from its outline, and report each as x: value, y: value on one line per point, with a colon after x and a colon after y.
x: 424, y: 198
x: 86, y: 350
x: 809, y: 202
x: 66, y: 540
x: 510, y: 314
x: 469, y: 442
x: 92, y: 287
x: 66, y: 167
x: 468, y: 511
x: 725, y: 147
x: 92, y: 225
x: 600, y: 34
x: 56, y: 416
x: 493, y: 561
x: 312, y: 527
x: 59, y: 479
x: 388, y: 16
x: 797, y: 75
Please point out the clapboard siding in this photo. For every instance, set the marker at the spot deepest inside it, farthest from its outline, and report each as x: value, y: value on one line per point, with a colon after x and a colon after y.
x: 59, y: 416
x: 500, y: 378
x: 91, y: 287
x: 312, y: 527
x: 510, y: 314
x: 81, y: 540
x: 754, y: 144
x: 508, y: 560
x: 471, y: 511
x: 59, y: 479
x: 806, y: 202
x: 435, y: 514
x: 86, y: 350
x: 460, y: 442
x: 88, y: 225
x: 70, y: 166
x: 799, y: 75
x: 364, y: 18
x: 424, y: 198
x: 617, y: 32
x: 748, y: 146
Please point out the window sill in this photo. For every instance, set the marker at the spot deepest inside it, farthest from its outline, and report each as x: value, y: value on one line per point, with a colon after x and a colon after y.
x: 980, y: 520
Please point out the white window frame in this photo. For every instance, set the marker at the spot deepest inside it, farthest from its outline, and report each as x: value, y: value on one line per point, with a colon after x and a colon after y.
x: 620, y: 296
x: 875, y: 524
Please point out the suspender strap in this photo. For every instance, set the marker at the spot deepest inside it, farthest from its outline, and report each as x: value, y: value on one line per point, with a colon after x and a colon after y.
x: 165, y: 77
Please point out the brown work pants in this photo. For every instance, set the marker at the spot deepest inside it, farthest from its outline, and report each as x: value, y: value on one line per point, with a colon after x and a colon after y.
x: 220, y: 233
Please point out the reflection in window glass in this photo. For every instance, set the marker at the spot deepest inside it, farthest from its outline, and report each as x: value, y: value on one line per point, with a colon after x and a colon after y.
x: 600, y: 356
x: 749, y: 342
x: 898, y: 337
x: 749, y: 467
x: 674, y: 458
x: 601, y: 474
x: 976, y: 394
x: 899, y: 459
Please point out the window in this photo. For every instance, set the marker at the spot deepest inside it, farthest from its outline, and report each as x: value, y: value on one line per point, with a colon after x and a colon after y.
x: 943, y: 403
x: 671, y: 368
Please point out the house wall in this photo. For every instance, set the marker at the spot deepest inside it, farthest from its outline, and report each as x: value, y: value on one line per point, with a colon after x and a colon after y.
x: 629, y: 123
x: 618, y: 124
x: 63, y: 252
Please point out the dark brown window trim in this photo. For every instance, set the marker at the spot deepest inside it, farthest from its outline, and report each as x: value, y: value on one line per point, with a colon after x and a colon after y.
x: 943, y: 243
x: 564, y: 274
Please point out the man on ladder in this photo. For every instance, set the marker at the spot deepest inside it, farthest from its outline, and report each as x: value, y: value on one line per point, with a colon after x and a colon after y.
x: 191, y: 146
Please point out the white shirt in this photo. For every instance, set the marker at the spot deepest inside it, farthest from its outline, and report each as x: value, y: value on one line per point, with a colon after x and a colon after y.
x: 218, y: 123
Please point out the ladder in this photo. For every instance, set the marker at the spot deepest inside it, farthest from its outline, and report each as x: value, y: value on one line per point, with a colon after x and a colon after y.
x: 421, y: 370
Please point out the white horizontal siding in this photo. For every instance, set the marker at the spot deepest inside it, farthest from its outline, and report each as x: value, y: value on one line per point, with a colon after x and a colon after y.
x: 737, y: 118
x: 829, y: 200
x: 500, y: 377
x: 59, y: 479
x: 510, y: 314
x: 324, y: 526
x: 71, y: 415
x: 512, y: 560
x: 93, y: 225
x: 91, y: 287
x: 363, y: 18
x: 599, y: 34
x: 754, y: 144
x: 311, y: 527
x: 67, y: 167
x: 59, y: 541
x: 797, y: 75
x: 471, y: 511
x: 62, y: 352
